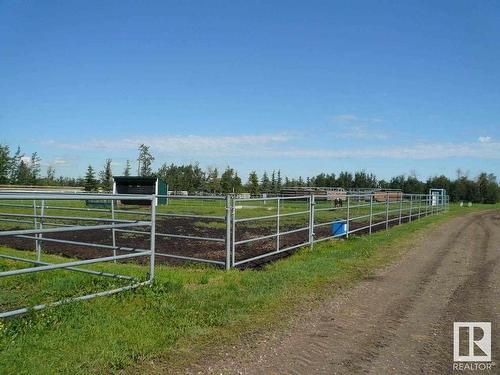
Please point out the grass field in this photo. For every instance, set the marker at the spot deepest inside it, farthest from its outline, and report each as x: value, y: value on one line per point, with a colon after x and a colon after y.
x: 188, y: 312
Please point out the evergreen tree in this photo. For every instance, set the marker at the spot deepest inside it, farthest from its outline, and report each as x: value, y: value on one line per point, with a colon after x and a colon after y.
x: 279, y: 182
x: 227, y: 180
x: 253, y: 183
x: 106, y: 176
x: 128, y: 168
x: 24, y: 175
x: 90, y: 182
x: 273, y: 182
x: 487, y: 188
x: 51, y: 175
x: 5, y: 163
x: 183, y: 177
x: 213, y: 180
x: 237, y: 186
x: 265, y: 185
x: 144, y: 161
x: 345, y: 180
x: 15, y: 164
x: 35, y: 167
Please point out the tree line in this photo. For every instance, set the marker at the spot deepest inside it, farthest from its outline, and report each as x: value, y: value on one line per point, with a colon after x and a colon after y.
x: 20, y: 169
x: 17, y: 168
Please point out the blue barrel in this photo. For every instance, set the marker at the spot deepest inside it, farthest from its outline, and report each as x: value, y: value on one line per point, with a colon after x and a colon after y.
x: 339, y: 227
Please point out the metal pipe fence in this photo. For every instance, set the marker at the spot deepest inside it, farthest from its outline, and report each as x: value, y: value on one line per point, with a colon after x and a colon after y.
x: 41, y: 230
x: 225, y: 231
x: 324, y: 219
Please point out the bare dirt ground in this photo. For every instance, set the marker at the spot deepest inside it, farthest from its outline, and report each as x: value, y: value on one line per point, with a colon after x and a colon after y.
x: 400, y: 321
x: 184, y: 247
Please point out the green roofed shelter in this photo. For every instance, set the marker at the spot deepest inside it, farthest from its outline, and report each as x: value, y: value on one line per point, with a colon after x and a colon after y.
x: 140, y: 185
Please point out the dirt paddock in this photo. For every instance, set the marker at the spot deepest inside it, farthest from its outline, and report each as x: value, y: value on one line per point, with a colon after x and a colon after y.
x: 184, y: 247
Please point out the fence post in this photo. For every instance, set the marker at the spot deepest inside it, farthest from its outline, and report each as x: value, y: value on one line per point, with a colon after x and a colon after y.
x: 387, y: 210
x: 348, y: 214
x: 35, y: 224
x: 40, y: 235
x: 228, y: 232
x: 371, y: 213
x: 278, y: 226
x: 411, y: 207
x: 113, y: 233
x: 400, y: 208
x: 153, y: 239
x: 312, y: 203
x: 419, y: 205
x: 233, y: 231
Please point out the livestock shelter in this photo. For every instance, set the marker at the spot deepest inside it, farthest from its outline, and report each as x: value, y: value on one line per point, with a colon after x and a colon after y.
x: 141, y: 185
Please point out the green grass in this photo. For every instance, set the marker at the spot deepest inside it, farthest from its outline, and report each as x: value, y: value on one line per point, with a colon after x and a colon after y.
x: 188, y: 312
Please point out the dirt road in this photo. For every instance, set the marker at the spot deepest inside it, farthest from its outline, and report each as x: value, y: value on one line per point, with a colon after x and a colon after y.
x: 398, y: 322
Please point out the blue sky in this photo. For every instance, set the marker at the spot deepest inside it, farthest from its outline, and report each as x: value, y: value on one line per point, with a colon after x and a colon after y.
x: 392, y: 87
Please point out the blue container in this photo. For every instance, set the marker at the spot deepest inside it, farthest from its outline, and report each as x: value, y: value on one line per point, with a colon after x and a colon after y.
x: 339, y: 228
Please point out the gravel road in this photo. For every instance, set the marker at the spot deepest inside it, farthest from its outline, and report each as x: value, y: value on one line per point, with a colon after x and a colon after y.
x: 398, y: 322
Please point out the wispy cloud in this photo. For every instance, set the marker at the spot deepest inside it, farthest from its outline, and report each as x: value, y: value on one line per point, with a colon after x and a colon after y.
x: 484, y: 139
x: 61, y: 162
x: 285, y: 145
x: 361, y: 132
x: 414, y: 152
x: 345, y: 118
x: 351, y: 126
x: 186, y: 144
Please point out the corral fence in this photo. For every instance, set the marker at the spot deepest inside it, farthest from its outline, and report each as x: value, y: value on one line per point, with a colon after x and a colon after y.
x: 299, y: 221
x: 225, y: 231
x: 48, y: 223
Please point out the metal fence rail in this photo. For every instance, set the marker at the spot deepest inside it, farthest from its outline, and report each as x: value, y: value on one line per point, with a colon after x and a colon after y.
x: 165, y: 233
x: 226, y: 231
x: 193, y: 218
x: 39, y: 232
x: 358, y: 213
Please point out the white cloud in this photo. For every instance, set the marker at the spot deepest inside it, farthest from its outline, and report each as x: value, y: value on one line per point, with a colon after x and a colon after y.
x: 345, y: 118
x: 350, y: 126
x: 66, y: 145
x: 484, y: 139
x: 415, y: 152
x: 61, y: 162
x: 285, y: 145
x: 184, y: 144
x: 360, y: 132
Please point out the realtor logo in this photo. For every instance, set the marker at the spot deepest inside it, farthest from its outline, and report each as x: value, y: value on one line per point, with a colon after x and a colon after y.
x: 472, y: 341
